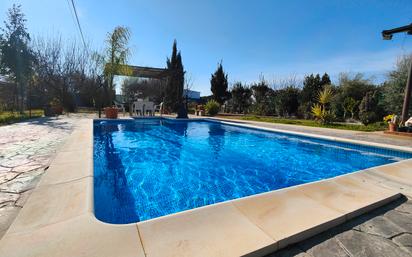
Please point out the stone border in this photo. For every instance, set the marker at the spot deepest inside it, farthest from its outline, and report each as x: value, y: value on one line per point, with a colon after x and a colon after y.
x: 58, y: 218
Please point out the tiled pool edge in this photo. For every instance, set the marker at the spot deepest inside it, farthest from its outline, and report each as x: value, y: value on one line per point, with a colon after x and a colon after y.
x: 58, y: 218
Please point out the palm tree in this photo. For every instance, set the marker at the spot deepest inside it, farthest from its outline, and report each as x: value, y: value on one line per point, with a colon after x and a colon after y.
x: 117, y: 54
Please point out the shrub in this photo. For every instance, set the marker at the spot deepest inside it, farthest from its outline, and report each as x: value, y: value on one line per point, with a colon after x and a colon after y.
x: 321, y: 110
x: 212, y: 107
x: 368, y: 108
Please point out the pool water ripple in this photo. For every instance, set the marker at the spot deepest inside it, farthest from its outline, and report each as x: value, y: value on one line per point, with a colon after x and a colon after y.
x: 150, y: 168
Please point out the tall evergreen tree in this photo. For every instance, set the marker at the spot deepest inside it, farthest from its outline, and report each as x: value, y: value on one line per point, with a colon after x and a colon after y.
x: 17, y: 57
x: 219, y: 84
x: 325, y: 80
x: 174, y: 89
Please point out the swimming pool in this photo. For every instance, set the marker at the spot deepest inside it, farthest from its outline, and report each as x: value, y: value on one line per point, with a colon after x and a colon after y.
x: 148, y: 168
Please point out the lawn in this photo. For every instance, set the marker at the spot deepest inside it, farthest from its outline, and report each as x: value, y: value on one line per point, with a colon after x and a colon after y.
x: 379, y: 126
x: 11, y: 117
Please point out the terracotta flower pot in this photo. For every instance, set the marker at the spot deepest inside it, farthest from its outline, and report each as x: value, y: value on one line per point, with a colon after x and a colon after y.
x: 111, y: 112
x: 57, y: 109
x: 392, y: 127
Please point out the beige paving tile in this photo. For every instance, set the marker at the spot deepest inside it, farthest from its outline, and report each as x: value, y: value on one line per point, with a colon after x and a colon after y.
x: 401, y: 172
x: 219, y: 230
x: 55, y: 203
x: 347, y: 196
x: 65, y: 172
x: 79, y: 156
x: 82, y: 236
x: 288, y: 215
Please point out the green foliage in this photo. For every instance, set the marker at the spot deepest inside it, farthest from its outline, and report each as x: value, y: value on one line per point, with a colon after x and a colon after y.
x: 241, y: 98
x: 117, y: 54
x: 16, y: 56
x: 393, y: 88
x: 174, y: 88
x: 219, y: 84
x: 262, y: 94
x: 350, y: 86
x: 378, y: 126
x: 368, y: 107
x: 287, y: 101
x: 321, y: 110
x: 212, y: 107
x: 349, y: 105
x: 12, y: 117
x: 312, y: 85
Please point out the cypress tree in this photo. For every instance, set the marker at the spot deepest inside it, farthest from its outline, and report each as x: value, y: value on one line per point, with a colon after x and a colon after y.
x: 174, y: 89
x: 219, y: 84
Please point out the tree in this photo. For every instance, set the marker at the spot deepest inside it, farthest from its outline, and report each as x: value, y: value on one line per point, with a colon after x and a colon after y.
x: 393, y: 90
x: 117, y: 54
x: 241, y: 98
x: 262, y: 94
x: 325, y: 80
x: 174, y: 88
x: 287, y: 101
x: 312, y: 85
x: 349, y: 105
x: 219, y: 84
x: 17, y: 58
x: 368, y: 108
x: 350, y: 86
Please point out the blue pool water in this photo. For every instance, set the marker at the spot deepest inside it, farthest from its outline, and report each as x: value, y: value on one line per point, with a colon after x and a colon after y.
x: 153, y: 167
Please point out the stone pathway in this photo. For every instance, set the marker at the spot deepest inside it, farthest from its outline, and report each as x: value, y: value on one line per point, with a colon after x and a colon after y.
x: 26, y: 148
x: 384, y: 232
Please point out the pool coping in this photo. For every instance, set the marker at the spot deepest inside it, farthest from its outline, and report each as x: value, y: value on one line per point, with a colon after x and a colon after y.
x: 58, y: 218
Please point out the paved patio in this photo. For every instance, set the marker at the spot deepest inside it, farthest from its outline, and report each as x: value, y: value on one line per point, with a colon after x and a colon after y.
x: 385, y: 232
x: 26, y: 149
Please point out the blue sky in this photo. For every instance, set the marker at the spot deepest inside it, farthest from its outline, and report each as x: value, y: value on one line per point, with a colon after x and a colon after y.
x: 277, y: 39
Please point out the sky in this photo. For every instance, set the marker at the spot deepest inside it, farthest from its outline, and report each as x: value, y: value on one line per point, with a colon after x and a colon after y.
x: 271, y: 38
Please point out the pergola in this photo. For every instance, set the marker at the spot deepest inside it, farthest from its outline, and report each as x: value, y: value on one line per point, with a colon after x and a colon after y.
x: 142, y: 72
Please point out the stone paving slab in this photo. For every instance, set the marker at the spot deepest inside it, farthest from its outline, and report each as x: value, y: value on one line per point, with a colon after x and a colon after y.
x: 372, y: 234
x: 26, y: 149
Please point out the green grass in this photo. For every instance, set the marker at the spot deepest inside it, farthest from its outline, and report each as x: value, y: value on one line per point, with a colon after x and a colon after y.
x: 379, y: 126
x: 12, y: 117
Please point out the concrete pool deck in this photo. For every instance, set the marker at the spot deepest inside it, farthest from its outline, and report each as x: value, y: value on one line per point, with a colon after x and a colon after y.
x: 58, y: 218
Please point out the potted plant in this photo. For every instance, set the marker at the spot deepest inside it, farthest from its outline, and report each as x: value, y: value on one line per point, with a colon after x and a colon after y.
x: 111, y: 112
x: 391, y: 119
x: 56, y: 107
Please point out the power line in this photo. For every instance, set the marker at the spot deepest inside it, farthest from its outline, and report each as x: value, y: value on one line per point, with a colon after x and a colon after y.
x: 77, y: 21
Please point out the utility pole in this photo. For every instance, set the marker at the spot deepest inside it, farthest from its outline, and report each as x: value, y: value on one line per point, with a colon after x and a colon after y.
x: 387, y: 35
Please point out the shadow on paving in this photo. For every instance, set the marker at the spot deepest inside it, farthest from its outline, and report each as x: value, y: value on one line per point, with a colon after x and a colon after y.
x: 384, y: 232
x: 53, y: 122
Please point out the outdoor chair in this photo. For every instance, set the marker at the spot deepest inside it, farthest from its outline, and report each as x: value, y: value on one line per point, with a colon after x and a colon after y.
x: 408, y: 123
x: 120, y: 107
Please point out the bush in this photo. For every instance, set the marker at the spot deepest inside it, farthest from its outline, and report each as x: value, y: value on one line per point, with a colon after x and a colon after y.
x: 368, y: 108
x: 321, y: 110
x: 212, y: 107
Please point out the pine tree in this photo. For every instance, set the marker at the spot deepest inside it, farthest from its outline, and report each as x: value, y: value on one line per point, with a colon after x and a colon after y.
x: 174, y: 89
x: 219, y: 84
